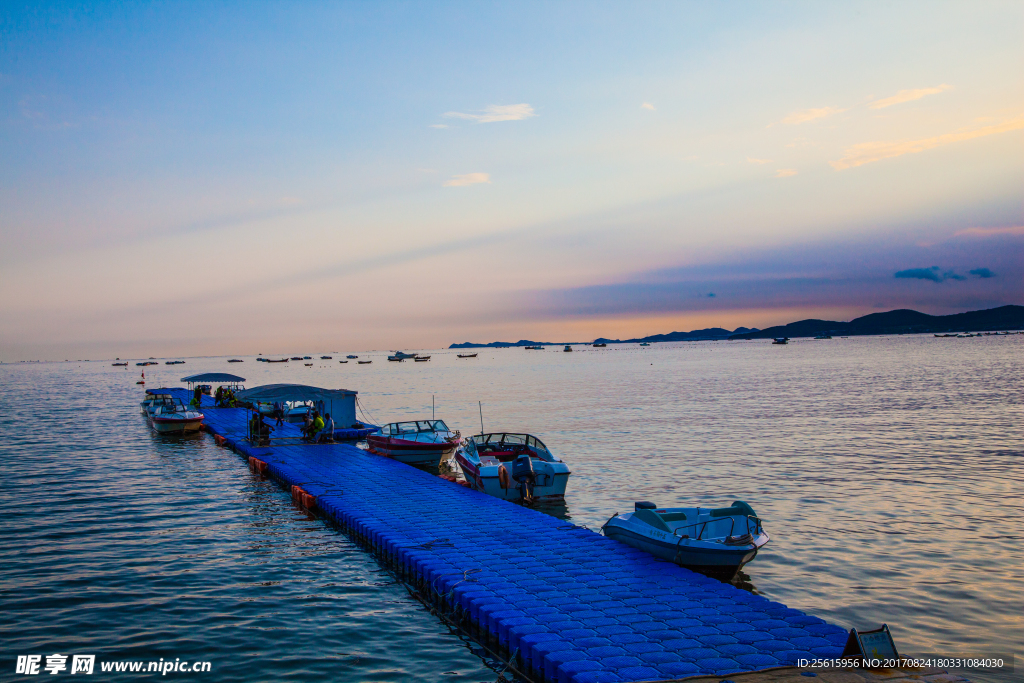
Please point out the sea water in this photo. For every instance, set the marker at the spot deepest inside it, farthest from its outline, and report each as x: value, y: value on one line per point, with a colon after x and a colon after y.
x: 887, y: 471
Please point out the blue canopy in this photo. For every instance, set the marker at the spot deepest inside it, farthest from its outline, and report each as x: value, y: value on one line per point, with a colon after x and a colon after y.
x: 213, y: 378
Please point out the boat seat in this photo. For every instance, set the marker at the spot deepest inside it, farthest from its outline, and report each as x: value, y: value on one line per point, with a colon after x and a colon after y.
x: 738, y: 507
x: 673, y: 516
x: 651, y: 517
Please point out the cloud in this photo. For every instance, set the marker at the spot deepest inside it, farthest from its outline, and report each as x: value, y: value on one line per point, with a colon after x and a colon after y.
x: 934, y: 274
x: 983, y: 273
x: 439, y: 125
x: 785, y: 172
x: 647, y: 105
x: 805, y: 115
x: 758, y: 161
x: 908, y: 96
x: 468, y: 179
x: 496, y: 112
x: 990, y: 232
x: 868, y: 152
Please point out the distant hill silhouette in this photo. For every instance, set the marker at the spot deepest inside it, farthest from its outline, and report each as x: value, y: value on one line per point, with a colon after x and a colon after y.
x: 902, y: 321
x: 696, y: 335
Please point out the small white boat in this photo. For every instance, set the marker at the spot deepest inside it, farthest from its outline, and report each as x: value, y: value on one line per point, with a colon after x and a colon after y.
x: 716, y: 541
x: 172, y: 416
x: 296, y: 411
x: 512, y: 466
x: 416, y: 442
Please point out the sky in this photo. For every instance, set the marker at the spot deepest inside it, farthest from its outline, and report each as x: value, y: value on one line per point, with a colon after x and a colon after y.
x: 207, y: 178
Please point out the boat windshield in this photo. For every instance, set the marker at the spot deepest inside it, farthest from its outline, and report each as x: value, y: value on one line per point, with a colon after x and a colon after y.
x: 415, y: 427
x: 501, y: 439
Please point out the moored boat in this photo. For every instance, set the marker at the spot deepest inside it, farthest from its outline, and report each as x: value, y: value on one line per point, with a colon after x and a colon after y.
x: 171, y: 416
x: 326, y: 357
x: 600, y: 345
x: 415, y: 442
x: 715, y: 541
x: 421, y: 359
x: 239, y: 360
x: 466, y: 355
x: 780, y: 340
x: 512, y: 466
x: 365, y: 362
x: 350, y: 356
x: 567, y: 349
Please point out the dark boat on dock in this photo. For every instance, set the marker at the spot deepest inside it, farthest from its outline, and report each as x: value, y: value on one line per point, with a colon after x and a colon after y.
x: 713, y: 541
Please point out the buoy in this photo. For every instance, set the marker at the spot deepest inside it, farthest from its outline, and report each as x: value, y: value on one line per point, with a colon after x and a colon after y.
x: 257, y: 466
x: 503, y: 478
x: 220, y: 440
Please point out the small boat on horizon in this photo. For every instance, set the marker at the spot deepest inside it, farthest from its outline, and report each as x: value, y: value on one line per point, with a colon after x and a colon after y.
x: 296, y: 357
x: 714, y: 541
x: 600, y: 345
x: 326, y: 357
x: 824, y: 336
x: 308, y: 365
x: 780, y: 340
x: 120, y: 365
x: 421, y: 359
x: 350, y: 356
x: 239, y: 360
x: 342, y: 361
x: 414, y: 442
x: 567, y: 349
x: 645, y: 343
x: 466, y: 355
x: 365, y: 362
x: 280, y: 360
x: 400, y: 356
x: 534, y: 348
x: 512, y: 467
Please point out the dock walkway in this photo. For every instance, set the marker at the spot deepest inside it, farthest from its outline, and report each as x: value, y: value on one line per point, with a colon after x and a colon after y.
x: 558, y: 601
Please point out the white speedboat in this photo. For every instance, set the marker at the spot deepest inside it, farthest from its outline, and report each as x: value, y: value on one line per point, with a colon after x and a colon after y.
x: 512, y: 466
x: 172, y: 416
x: 418, y: 442
x: 153, y: 398
x: 715, y: 541
x: 400, y: 356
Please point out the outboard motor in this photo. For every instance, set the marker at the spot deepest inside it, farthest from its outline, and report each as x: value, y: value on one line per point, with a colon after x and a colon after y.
x: 523, y: 474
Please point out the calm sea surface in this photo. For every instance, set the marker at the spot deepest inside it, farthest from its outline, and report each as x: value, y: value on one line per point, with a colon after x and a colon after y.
x: 888, y: 470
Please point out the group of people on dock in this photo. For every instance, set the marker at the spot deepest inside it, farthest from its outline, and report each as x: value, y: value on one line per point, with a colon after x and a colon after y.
x: 318, y: 429
x: 225, y: 397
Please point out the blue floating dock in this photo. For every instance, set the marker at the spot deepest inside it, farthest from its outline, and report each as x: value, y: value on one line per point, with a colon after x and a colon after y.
x: 559, y: 602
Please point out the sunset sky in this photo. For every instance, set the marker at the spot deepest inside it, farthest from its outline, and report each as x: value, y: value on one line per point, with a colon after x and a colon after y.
x: 233, y: 178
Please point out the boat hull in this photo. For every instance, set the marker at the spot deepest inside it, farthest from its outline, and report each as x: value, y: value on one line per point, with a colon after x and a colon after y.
x: 170, y: 425
x: 714, y: 559
x: 410, y: 452
x: 551, y: 486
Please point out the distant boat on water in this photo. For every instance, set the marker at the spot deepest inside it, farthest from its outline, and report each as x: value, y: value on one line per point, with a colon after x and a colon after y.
x: 600, y: 346
x: 567, y: 349
x: 466, y: 355
x: 351, y: 357
x: 239, y: 360
x: 365, y: 362
x: 824, y: 336
x: 421, y: 359
x: 780, y: 340
x: 645, y: 343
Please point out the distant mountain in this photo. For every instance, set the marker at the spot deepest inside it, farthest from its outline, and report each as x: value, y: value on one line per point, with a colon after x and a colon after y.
x: 696, y: 335
x: 902, y: 321
x: 500, y: 345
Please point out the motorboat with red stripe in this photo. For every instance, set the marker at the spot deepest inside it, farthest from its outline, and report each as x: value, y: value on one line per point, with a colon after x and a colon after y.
x: 415, y: 442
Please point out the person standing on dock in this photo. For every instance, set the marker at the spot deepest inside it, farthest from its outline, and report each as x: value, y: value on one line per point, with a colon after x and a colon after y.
x: 197, y: 397
x: 278, y: 412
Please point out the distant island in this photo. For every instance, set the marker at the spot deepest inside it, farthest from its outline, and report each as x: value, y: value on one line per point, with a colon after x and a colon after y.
x: 901, y: 321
